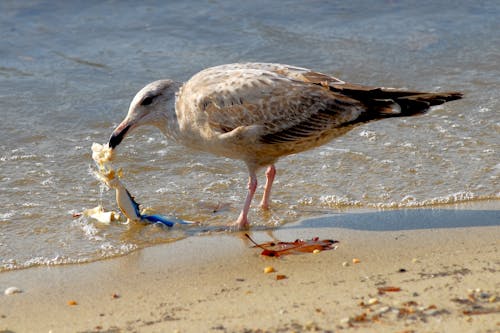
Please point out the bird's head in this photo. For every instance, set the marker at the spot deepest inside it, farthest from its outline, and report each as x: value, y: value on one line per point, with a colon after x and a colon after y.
x: 150, y: 106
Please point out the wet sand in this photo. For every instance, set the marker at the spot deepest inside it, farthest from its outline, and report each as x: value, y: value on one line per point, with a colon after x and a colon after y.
x: 444, y: 261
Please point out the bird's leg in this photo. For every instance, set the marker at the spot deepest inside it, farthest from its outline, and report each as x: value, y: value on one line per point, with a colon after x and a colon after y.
x: 242, y: 221
x: 270, y: 173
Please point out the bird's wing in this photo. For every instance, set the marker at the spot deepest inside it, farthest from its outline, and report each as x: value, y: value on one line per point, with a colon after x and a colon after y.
x: 281, y: 102
x: 297, y: 73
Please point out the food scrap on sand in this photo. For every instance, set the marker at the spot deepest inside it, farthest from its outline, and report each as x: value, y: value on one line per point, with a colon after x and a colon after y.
x: 101, y: 215
x: 276, y: 249
x: 102, y: 156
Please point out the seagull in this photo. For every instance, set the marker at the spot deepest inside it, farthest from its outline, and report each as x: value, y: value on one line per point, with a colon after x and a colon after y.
x: 260, y: 112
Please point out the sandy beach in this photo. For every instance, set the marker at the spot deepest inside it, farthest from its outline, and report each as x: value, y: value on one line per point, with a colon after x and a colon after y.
x: 420, y: 270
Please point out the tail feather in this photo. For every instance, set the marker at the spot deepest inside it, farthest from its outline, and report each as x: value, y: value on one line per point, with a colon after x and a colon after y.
x: 420, y: 103
x: 389, y: 102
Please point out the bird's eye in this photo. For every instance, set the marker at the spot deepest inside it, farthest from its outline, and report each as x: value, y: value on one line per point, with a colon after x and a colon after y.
x: 148, y: 100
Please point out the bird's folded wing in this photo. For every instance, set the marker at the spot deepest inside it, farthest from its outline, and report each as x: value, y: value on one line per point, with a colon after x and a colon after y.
x: 284, y: 108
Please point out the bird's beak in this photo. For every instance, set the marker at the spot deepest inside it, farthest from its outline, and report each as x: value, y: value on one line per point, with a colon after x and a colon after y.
x: 119, y: 134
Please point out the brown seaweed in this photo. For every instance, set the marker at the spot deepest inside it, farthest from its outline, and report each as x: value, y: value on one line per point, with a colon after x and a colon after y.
x: 277, y: 249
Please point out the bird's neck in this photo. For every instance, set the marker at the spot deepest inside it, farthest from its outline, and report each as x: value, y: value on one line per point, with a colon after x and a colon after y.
x: 177, y: 124
x: 169, y: 125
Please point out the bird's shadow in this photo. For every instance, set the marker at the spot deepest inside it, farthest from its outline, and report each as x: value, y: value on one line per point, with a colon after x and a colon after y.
x: 403, y: 219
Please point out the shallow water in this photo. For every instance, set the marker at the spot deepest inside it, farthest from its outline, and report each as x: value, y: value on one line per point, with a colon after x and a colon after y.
x: 69, y: 71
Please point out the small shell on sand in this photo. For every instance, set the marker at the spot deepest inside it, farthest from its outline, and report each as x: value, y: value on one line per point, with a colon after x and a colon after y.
x: 269, y: 269
x: 12, y: 291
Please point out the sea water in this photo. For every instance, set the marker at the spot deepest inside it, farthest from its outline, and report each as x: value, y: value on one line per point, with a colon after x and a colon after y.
x: 68, y: 72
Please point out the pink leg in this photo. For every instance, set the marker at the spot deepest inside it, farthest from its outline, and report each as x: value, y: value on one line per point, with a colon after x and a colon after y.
x: 270, y: 173
x: 242, y: 221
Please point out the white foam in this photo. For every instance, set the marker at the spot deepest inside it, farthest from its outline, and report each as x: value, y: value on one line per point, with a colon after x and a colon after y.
x: 411, y: 201
x: 7, y: 216
x: 370, y: 135
x: 408, y: 201
x: 336, y: 201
